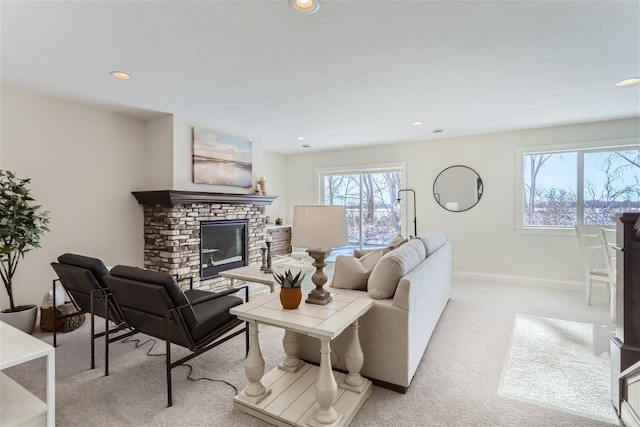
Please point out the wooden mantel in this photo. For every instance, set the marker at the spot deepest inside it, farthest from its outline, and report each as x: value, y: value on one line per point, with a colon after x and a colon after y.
x: 175, y: 197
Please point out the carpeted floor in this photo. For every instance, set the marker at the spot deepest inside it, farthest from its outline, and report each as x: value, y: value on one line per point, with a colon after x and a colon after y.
x: 457, y: 384
x: 538, y: 368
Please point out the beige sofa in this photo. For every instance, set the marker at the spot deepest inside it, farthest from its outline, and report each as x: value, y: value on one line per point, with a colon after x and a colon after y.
x: 395, y: 332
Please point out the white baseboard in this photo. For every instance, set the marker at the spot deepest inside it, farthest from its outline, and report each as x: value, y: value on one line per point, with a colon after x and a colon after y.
x: 523, y: 280
x: 628, y: 415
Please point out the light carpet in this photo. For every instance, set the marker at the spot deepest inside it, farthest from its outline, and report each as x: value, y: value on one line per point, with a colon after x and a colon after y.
x: 553, y: 362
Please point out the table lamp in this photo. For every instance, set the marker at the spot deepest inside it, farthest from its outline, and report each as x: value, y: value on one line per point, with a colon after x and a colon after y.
x: 319, y: 229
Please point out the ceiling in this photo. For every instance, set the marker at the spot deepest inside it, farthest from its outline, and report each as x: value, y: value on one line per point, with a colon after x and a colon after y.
x: 354, y: 73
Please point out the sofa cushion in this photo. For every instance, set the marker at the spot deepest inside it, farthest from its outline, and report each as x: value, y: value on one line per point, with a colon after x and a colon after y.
x: 397, y: 241
x: 353, y: 273
x: 432, y: 241
x: 385, y: 276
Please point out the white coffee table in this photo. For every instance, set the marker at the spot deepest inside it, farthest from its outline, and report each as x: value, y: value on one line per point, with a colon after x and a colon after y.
x: 297, y: 393
x: 252, y: 273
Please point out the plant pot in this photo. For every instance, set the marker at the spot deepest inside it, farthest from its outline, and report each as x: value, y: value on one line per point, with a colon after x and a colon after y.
x: 290, y: 297
x: 23, y: 318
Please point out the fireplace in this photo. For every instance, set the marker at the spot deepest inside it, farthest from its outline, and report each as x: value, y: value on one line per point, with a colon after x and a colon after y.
x: 223, y: 246
x: 172, y: 233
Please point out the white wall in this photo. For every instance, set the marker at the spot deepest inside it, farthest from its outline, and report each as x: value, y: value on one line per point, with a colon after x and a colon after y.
x: 84, y: 163
x: 484, y: 237
x: 159, y: 154
x: 275, y: 172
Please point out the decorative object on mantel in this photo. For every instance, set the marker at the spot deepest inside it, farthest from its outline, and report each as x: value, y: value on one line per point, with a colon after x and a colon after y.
x: 21, y: 227
x: 415, y: 218
x: 319, y: 229
x: 263, y: 249
x: 278, y: 221
x: 269, y: 269
x: 221, y: 159
x: 263, y: 185
x: 290, y: 290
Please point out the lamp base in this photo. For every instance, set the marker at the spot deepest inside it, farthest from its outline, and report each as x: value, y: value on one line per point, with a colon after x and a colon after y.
x: 319, y: 297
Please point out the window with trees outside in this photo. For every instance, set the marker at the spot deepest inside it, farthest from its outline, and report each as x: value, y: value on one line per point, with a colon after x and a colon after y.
x: 565, y: 187
x: 369, y: 196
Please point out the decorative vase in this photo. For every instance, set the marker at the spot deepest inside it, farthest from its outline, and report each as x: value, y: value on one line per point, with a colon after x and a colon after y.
x: 24, y: 319
x: 290, y: 297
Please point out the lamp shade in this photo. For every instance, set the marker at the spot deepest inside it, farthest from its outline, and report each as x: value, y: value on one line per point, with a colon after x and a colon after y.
x: 319, y: 226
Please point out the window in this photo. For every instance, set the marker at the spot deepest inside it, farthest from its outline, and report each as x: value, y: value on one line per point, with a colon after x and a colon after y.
x: 369, y: 196
x: 560, y: 187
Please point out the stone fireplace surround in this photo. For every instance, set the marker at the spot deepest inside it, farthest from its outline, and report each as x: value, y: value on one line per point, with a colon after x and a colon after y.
x: 172, y: 229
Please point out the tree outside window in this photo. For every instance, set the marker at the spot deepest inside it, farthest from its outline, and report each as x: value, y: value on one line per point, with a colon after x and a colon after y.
x: 373, y: 218
x: 580, y: 187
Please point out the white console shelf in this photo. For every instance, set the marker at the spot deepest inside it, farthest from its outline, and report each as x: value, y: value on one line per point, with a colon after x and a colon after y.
x: 17, y: 405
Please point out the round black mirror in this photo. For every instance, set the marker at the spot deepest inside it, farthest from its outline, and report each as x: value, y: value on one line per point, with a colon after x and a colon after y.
x: 457, y: 188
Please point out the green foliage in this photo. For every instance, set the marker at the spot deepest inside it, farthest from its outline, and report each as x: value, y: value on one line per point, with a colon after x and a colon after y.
x: 21, y: 226
x: 288, y: 281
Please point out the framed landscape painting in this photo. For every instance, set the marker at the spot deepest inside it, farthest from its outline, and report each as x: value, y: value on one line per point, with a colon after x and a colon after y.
x: 221, y: 159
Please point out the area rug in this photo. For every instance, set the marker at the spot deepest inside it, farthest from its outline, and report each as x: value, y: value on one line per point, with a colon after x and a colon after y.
x: 553, y: 362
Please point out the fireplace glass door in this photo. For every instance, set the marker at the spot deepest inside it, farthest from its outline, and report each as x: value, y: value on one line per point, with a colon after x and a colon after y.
x: 223, y: 246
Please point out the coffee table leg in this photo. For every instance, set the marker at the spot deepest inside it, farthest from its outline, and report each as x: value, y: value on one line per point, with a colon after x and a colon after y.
x: 354, y: 359
x: 326, y: 389
x: 291, y: 363
x: 255, y: 391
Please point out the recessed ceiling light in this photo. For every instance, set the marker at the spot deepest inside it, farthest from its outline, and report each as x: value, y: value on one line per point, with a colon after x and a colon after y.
x: 305, y: 6
x: 628, y: 82
x: 120, y: 75
x: 438, y: 131
x: 301, y: 138
x: 417, y: 123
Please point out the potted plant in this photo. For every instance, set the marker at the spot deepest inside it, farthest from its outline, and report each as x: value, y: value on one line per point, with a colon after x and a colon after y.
x: 290, y: 291
x: 21, y: 227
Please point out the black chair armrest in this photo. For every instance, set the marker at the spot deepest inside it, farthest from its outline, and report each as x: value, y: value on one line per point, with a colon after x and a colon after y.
x: 215, y: 295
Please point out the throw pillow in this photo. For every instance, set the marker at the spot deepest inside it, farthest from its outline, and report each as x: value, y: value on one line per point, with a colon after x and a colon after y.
x: 353, y: 273
x: 394, y: 265
x: 397, y: 242
x: 359, y: 253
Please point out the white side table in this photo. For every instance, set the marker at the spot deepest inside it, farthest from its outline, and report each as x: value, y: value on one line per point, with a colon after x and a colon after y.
x: 296, y: 393
x: 17, y: 405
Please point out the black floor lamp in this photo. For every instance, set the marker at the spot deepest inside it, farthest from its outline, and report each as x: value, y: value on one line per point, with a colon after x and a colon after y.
x: 415, y: 218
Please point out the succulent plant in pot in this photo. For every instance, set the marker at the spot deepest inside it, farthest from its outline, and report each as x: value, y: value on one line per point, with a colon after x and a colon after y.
x: 21, y: 227
x: 290, y: 290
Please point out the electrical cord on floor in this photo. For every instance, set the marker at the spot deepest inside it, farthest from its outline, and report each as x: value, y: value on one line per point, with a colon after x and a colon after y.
x: 138, y: 343
x: 235, y: 389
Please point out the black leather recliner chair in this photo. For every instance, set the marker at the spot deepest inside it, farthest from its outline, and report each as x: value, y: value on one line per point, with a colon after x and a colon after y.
x: 154, y: 304
x: 82, y: 279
